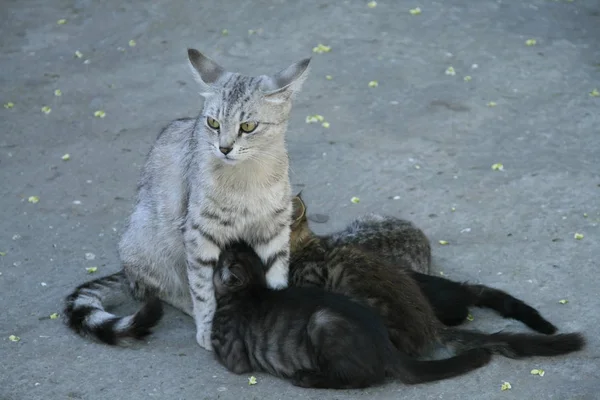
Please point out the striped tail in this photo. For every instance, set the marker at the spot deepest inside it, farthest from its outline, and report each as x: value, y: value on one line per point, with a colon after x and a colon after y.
x: 85, y: 311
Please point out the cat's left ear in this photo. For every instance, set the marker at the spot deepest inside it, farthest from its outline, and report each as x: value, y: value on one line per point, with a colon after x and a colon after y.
x: 206, y: 72
x: 298, y: 209
x: 286, y: 82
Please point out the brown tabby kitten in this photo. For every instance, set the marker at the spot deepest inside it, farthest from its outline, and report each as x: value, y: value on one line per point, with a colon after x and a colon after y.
x: 400, y: 242
x: 313, y: 337
x: 391, y: 289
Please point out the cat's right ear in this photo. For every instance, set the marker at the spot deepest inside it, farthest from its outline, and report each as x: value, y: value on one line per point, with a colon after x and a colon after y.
x: 206, y: 71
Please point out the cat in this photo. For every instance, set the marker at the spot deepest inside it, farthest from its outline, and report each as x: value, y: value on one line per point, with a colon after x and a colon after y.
x: 207, y: 181
x: 314, y: 338
x: 391, y: 289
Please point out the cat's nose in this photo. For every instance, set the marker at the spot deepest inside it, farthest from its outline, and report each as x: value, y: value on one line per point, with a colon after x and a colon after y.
x: 225, y: 150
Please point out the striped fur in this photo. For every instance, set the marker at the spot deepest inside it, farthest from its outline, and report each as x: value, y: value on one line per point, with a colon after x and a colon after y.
x: 407, y: 304
x: 310, y: 336
x: 86, y: 314
x: 201, y: 188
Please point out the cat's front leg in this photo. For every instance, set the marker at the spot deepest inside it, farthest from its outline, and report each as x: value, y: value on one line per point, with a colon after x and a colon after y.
x: 202, y: 254
x: 275, y: 254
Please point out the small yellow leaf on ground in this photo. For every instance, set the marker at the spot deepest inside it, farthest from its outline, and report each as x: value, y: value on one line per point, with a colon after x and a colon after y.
x: 14, y: 338
x: 99, y: 114
x: 467, y: 78
x: 91, y: 270
x: 328, y: 77
x: 373, y: 84
x: 595, y: 93
x: 78, y: 54
x: 470, y: 317
x: 450, y: 71
x: 372, y: 4
x: 33, y: 199
x: 66, y: 157
x: 325, y: 124
x: 505, y: 386
x: 252, y: 380
x: 563, y: 301
x: 453, y: 209
x: 2, y: 253
x: 443, y: 242
x: 224, y: 32
x: 497, y: 167
x: 132, y: 43
x: 355, y: 200
x: 46, y: 110
x: 61, y: 21
x: 53, y: 316
x: 9, y: 105
x: 415, y: 11
x: 58, y: 92
x: 321, y: 48
x: 578, y: 236
x: 311, y: 119
x: 530, y: 42
x: 539, y: 372
x: 492, y: 104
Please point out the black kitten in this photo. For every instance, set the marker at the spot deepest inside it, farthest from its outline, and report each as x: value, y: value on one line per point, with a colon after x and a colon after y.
x: 313, y: 337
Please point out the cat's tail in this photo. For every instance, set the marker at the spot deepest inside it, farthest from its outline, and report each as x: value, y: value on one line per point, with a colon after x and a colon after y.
x: 451, y: 301
x: 411, y: 371
x: 513, y: 345
x: 85, y: 311
x: 508, y: 306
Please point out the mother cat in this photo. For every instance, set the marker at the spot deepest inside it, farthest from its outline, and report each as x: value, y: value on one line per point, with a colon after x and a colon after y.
x: 208, y: 181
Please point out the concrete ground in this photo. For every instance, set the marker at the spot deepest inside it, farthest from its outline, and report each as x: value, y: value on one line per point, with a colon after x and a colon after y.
x: 419, y: 145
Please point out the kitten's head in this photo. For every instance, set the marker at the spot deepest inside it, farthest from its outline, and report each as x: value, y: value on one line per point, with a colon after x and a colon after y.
x: 237, y: 268
x: 244, y: 117
x: 300, y: 229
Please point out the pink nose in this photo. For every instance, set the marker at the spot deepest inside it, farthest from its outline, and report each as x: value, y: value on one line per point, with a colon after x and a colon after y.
x: 225, y: 150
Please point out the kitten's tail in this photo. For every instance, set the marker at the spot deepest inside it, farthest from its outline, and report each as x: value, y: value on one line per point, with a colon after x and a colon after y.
x: 513, y: 345
x: 411, y: 371
x: 85, y: 311
x: 508, y: 306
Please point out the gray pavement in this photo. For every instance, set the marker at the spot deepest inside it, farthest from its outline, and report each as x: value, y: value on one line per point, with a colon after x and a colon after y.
x: 419, y: 145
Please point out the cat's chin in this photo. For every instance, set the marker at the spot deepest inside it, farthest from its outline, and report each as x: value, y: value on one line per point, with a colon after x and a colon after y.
x: 228, y: 161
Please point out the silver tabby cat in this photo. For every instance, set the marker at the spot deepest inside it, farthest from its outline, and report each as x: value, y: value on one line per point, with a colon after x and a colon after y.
x: 208, y: 181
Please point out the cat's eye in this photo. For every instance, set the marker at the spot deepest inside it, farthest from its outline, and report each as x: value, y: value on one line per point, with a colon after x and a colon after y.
x: 248, y: 127
x: 213, y: 123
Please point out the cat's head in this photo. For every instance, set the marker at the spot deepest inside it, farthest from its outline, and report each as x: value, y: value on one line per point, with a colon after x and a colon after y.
x: 244, y: 117
x: 237, y: 268
x: 300, y: 229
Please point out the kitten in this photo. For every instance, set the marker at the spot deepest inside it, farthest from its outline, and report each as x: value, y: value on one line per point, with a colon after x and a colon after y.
x: 391, y: 289
x: 313, y: 337
x: 207, y: 181
x: 399, y: 242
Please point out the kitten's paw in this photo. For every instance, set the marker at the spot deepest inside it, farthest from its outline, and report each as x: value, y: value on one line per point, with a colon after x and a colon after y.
x: 203, y: 339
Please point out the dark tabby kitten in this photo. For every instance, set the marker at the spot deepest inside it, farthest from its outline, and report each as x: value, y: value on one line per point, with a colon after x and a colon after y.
x: 408, y: 314
x: 313, y: 337
x: 400, y: 242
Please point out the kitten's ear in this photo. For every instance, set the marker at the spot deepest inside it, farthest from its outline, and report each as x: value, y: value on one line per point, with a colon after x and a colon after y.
x: 206, y: 72
x: 298, y: 209
x: 286, y: 82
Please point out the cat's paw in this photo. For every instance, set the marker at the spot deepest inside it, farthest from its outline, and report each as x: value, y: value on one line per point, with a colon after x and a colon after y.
x: 203, y: 339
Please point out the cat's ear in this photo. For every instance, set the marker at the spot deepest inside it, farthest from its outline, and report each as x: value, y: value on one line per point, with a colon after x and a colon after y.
x: 286, y: 82
x: 206, y: 71
x: 233, y: 276
x: 298, y: 209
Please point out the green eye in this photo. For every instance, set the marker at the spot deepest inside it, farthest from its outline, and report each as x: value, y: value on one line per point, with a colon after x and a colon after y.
x: 248, y: 127
x: 213, y: 123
